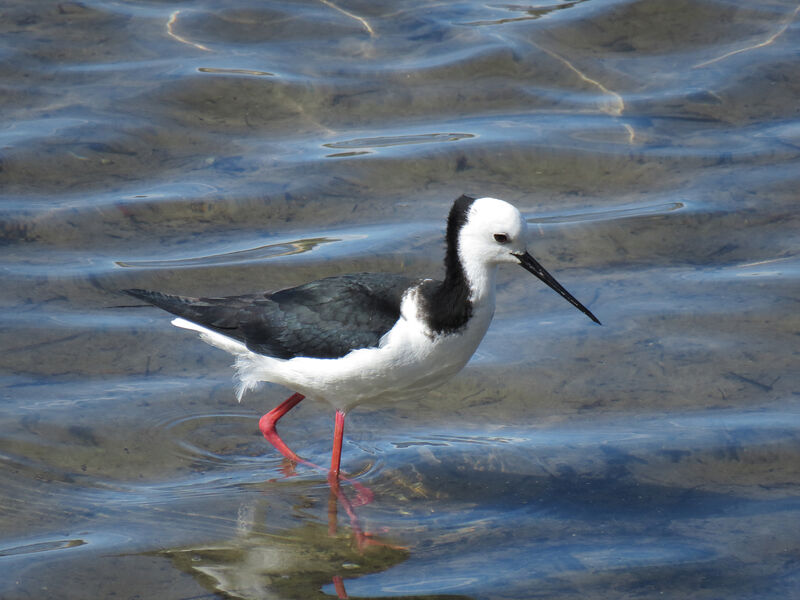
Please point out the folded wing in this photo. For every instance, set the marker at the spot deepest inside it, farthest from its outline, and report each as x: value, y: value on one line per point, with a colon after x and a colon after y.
x: 323, y: 319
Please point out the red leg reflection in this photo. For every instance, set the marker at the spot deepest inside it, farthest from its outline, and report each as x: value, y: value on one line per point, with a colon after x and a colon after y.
x: 339, y: 585
x: 337, y: 497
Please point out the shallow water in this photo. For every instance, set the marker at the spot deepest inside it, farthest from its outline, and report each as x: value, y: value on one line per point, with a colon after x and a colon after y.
x: 207, y: 148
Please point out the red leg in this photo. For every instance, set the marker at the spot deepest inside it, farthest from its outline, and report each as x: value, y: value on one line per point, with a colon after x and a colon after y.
x: 338, y: 434
x: 268, y: 421
x: 267, y: 426
x: 364, y: 493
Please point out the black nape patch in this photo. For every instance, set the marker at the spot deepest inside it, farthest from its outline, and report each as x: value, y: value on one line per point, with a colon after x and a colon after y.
x: 447, y: 304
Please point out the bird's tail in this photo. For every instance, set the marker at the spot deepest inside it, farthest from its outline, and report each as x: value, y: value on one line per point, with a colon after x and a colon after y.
x: 214, y: 338
x: 246, y: 377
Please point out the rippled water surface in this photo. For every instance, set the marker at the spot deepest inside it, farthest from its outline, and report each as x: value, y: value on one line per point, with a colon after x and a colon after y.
x: 223, y: 147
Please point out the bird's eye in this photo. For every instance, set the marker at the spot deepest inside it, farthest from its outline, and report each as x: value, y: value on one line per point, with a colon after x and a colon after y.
x: 501, y: 238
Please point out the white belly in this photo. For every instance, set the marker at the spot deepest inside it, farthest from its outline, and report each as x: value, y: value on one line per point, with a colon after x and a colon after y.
x: 409, y: 361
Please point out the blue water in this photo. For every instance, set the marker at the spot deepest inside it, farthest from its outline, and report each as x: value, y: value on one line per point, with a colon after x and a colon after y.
x: 218, y: 148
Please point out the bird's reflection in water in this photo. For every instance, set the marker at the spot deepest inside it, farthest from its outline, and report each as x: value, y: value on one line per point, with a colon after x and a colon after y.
x: 293, y: 564
x: 296, y: 563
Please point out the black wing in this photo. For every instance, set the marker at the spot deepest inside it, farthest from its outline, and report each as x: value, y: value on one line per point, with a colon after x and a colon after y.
x: 323, y: 319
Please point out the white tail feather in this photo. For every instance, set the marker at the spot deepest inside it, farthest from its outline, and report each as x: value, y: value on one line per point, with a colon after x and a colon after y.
x: 216, y: 339
x: 246, y: 378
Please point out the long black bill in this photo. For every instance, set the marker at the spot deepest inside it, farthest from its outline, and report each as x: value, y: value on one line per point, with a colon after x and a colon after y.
x: 531, y: 264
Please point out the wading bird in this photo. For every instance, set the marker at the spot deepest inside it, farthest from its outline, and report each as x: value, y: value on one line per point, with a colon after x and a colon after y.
x: 350, y: 339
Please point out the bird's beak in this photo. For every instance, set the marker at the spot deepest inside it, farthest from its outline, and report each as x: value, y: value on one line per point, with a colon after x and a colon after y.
x: 530, y: 264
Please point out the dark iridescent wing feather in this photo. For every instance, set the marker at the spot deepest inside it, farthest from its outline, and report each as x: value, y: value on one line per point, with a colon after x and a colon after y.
x: 323, y: 319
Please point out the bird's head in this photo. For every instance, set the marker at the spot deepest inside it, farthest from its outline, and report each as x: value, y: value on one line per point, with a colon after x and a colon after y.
x: 491, y: 232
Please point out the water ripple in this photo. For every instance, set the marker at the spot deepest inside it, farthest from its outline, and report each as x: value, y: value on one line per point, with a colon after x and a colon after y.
x: 399, y: 140
x: 623, y: 212
x: 237, y: 257
x: 47, y: 546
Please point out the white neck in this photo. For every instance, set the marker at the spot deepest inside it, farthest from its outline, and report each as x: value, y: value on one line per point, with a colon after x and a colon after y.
x: 482, y: 278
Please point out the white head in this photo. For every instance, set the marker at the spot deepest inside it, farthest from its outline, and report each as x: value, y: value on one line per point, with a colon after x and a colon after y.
x: 495, y: 232
x: 486, y: 232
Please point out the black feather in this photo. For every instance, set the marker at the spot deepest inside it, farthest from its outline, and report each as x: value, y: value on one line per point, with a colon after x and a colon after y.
x: 322, y: 319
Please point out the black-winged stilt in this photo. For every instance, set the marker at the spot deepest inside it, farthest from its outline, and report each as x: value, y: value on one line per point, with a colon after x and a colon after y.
x: 349, y: 339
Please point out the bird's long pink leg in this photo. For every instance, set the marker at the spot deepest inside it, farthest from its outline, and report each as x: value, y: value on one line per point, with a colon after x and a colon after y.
x: 338, y: 434
x: 267, y: 426
x: 364, y: 493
